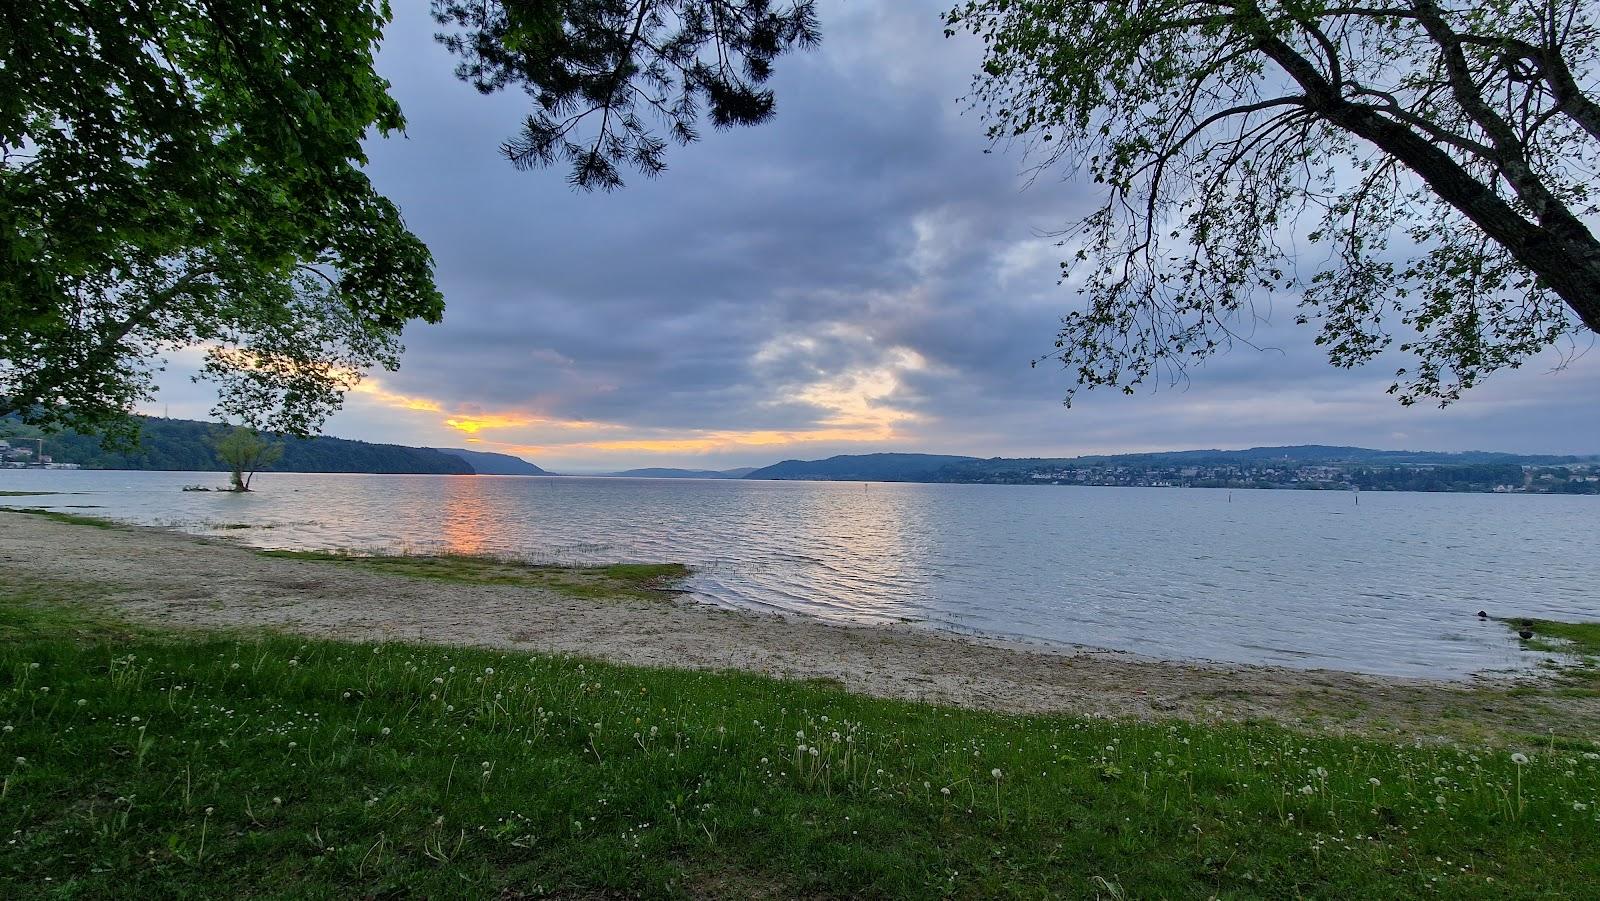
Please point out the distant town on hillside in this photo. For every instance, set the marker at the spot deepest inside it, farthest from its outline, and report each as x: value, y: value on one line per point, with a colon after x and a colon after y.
x: 186, y: 445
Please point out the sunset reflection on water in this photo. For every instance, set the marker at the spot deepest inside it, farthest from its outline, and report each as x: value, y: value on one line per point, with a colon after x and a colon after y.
x: 1283, y: 577
x: 465, y: 519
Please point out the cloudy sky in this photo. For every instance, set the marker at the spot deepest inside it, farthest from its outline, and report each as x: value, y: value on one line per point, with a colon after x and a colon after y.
x: 857, y: 275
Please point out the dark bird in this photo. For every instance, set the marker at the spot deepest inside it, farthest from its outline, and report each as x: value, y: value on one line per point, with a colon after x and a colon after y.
x: 1482, y: 615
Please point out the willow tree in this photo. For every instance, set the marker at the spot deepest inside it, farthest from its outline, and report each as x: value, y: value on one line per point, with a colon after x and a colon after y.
x: 1439, y: 155
x: 245, y: 453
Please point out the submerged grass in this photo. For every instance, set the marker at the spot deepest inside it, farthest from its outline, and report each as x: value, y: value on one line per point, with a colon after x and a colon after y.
x: 1555, y: 636
x: 636, y: 580
x: 26, y: 493
x: 1575, y: 648
x: 138, y: 763
x: 68, y: 518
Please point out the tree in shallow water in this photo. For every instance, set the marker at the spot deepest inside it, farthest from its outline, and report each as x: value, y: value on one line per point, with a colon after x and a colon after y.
x: 1443, y: 152
x: 245, y: 453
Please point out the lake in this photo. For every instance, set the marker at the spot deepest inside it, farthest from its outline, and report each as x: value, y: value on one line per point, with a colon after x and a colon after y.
x: 1296, y: 578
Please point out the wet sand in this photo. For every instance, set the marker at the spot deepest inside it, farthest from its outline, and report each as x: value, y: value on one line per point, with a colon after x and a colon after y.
x: 171, y: 579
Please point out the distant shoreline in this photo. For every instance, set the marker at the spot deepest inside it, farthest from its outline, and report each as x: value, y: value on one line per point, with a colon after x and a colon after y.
x: 181, y: 445
x: 1305, y: 486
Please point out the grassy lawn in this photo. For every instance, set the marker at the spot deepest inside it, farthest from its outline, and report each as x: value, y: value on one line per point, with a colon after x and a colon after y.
x: 141, y: 763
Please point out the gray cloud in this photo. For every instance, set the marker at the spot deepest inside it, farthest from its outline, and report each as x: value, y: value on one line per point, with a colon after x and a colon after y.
x: 864, y: 238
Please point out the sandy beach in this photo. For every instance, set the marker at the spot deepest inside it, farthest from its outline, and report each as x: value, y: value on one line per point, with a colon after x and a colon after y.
x: 176, y: 580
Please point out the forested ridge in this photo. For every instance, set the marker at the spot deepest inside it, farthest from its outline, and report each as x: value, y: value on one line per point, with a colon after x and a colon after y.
x: 186, y: 445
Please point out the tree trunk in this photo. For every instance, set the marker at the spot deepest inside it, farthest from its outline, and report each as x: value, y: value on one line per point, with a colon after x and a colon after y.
x: 1560, y: 251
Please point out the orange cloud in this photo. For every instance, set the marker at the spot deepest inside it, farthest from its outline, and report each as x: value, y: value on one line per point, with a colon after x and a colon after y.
x: 704, y: 442
x: 855, y: 408
x: 475, y: 424
x: 374, y: 389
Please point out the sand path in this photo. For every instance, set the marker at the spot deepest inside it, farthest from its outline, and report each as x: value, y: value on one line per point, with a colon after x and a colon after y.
x: 165, y: 577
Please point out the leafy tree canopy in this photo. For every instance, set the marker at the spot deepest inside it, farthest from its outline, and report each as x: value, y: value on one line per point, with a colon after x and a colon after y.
x: 1440, y: 155
x: 186, y: 174
x: 614, y: 80
x: 180, y: 174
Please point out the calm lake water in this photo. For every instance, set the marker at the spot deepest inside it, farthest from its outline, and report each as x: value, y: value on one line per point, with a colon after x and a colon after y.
x: 1298, y: 578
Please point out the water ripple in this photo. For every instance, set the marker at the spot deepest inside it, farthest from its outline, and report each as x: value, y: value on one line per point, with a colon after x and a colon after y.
x: 1283, y: 577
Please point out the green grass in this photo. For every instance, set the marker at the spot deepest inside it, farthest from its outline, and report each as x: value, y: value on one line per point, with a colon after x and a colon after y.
x: 142, y: 763
x: 1575, y: 639
x: 68, y: 518
x: 1575, y: 668
x: 26, y: 493
x: 635, y: 580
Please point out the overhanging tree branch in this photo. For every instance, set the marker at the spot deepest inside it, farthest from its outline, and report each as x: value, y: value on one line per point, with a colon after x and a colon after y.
x: 1450, y: 148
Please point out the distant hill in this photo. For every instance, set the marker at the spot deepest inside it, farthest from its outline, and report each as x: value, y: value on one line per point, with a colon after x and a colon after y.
x: 860, y: 468
x: 1322, y: 453
x: 185, y: 444
x: 937, y: 468
x: 491, y: 464
x: 661, y: 473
